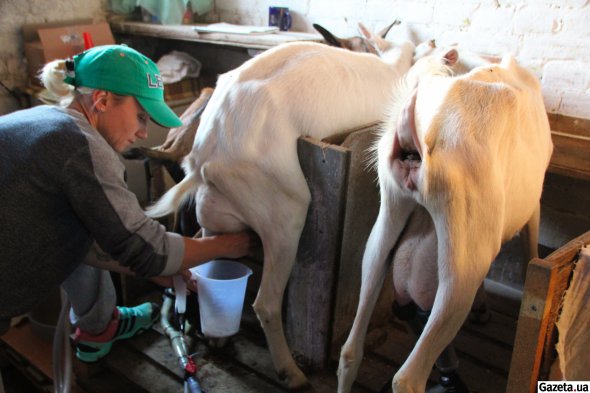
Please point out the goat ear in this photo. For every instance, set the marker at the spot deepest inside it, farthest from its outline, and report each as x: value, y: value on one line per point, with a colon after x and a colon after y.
x: 374, y: 46
x: 365, y: 32
x: 451, y: 57
x: 432, y: 43
x: 330, y: 38
x: 385, y: 30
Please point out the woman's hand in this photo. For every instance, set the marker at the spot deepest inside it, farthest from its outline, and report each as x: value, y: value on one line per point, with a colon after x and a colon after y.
x: 230, y: 245
x: 166, y: 281
x: 240, y: 244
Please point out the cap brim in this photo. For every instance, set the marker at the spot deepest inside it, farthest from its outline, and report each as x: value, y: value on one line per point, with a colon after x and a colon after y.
x: 160, y: 112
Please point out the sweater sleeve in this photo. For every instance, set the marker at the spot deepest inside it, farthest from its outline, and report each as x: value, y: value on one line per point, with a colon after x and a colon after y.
x: 93, y: 181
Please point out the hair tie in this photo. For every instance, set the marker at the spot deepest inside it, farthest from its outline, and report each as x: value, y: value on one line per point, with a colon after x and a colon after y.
x: 70, y: 70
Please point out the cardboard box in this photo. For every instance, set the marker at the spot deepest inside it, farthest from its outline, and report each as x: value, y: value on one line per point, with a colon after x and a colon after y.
x: 60, y: 40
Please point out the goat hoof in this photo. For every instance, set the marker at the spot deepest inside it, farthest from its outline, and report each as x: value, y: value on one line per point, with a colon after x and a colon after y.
x: 298, y: 381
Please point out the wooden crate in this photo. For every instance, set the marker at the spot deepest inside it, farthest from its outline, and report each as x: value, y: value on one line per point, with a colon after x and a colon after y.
x: 536, y: 334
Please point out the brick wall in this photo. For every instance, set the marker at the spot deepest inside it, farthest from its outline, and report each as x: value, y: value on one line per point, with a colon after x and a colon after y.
x: 551, y: 37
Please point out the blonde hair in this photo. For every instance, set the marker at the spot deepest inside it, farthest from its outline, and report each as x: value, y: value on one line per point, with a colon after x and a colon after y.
x: 52, y: 77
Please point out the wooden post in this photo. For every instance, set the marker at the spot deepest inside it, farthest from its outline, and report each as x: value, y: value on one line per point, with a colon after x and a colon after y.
x: 362, y: 207
x: 310, y: 293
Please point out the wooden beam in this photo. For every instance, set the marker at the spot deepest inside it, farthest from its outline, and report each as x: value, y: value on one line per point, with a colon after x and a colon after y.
x: 571, y: 146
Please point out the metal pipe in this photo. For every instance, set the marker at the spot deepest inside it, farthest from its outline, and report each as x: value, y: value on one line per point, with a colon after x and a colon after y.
x: 191, y: 383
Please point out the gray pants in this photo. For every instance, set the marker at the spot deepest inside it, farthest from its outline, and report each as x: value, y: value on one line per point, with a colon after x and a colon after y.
x: 92, y: 295
x: 93, y: 298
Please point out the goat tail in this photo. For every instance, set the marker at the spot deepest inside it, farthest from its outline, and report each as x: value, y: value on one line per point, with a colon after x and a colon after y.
x: 173, y: 198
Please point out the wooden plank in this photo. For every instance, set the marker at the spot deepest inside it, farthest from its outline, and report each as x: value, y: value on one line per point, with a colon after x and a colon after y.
x: 565, y: 209
x: 242, y: 365
x: 106, y: 381
x: 568, y: 124
x: 486, y: 352
x: 146, y: 375
x: 571, y: 156
x: 310, y: 294
x: 257, y: 358
x: 531, y: 329
x: 500, y: 329
x: 505, y: 300
x: 32, y: 347
x: 362, y: 207
x: 218, y: 370
x: 571, y: 146
x: 545, y: 283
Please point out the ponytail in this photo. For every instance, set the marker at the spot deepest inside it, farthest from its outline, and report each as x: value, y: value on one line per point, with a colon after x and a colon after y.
x: 52, y: 76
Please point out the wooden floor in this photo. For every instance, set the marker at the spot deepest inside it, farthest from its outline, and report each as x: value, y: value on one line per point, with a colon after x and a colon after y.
x: 147, y: 363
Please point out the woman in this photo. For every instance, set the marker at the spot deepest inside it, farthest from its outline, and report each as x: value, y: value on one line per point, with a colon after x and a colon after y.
x: 64, y: 198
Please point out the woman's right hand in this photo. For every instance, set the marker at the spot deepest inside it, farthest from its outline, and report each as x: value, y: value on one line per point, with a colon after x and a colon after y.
x: 229, y: 245
x: 240, y: 244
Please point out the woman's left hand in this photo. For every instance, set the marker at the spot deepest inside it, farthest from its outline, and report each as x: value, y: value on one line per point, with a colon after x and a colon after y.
x: 166, y: 281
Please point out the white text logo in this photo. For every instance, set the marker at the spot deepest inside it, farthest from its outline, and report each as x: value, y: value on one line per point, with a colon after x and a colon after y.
x: 563, y: 386
x: 155, y: 84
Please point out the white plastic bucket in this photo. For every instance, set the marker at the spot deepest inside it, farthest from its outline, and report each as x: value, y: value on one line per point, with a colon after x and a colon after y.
x: 222, y: 287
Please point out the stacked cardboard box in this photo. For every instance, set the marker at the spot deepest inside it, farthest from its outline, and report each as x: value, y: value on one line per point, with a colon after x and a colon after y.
x: 60, y: 40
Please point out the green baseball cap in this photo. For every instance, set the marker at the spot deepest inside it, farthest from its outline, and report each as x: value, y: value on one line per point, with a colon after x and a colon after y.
x: 125, y: 71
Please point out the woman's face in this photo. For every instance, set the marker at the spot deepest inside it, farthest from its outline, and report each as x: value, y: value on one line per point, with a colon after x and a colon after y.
x: 121, y: 121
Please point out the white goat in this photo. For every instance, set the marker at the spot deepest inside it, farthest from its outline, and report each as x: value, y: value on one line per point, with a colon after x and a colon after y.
x: 468, y: 155
x: 244, y: 171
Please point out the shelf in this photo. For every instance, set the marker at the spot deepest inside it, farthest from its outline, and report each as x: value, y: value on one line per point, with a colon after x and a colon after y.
x: 187, y: 33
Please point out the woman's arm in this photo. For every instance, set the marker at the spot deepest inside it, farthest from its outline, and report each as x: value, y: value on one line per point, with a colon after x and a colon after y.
x: 204, y: 249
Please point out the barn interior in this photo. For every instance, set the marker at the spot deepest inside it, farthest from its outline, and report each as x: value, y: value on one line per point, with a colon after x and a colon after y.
x: 510, y: 352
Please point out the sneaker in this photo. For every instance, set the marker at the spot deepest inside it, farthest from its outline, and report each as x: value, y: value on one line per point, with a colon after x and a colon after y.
x: 127, y: 322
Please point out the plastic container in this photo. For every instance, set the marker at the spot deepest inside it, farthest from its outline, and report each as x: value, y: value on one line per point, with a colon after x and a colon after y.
x: 221, y: 288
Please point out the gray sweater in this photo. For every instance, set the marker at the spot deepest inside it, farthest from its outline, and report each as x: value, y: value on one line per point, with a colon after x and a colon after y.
x: 61, y: 188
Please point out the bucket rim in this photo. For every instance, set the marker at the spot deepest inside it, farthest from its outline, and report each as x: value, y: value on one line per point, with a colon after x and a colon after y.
x: 249, y: 271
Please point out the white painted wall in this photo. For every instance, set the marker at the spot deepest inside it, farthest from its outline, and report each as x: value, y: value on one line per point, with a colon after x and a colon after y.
x: 550, y: 37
